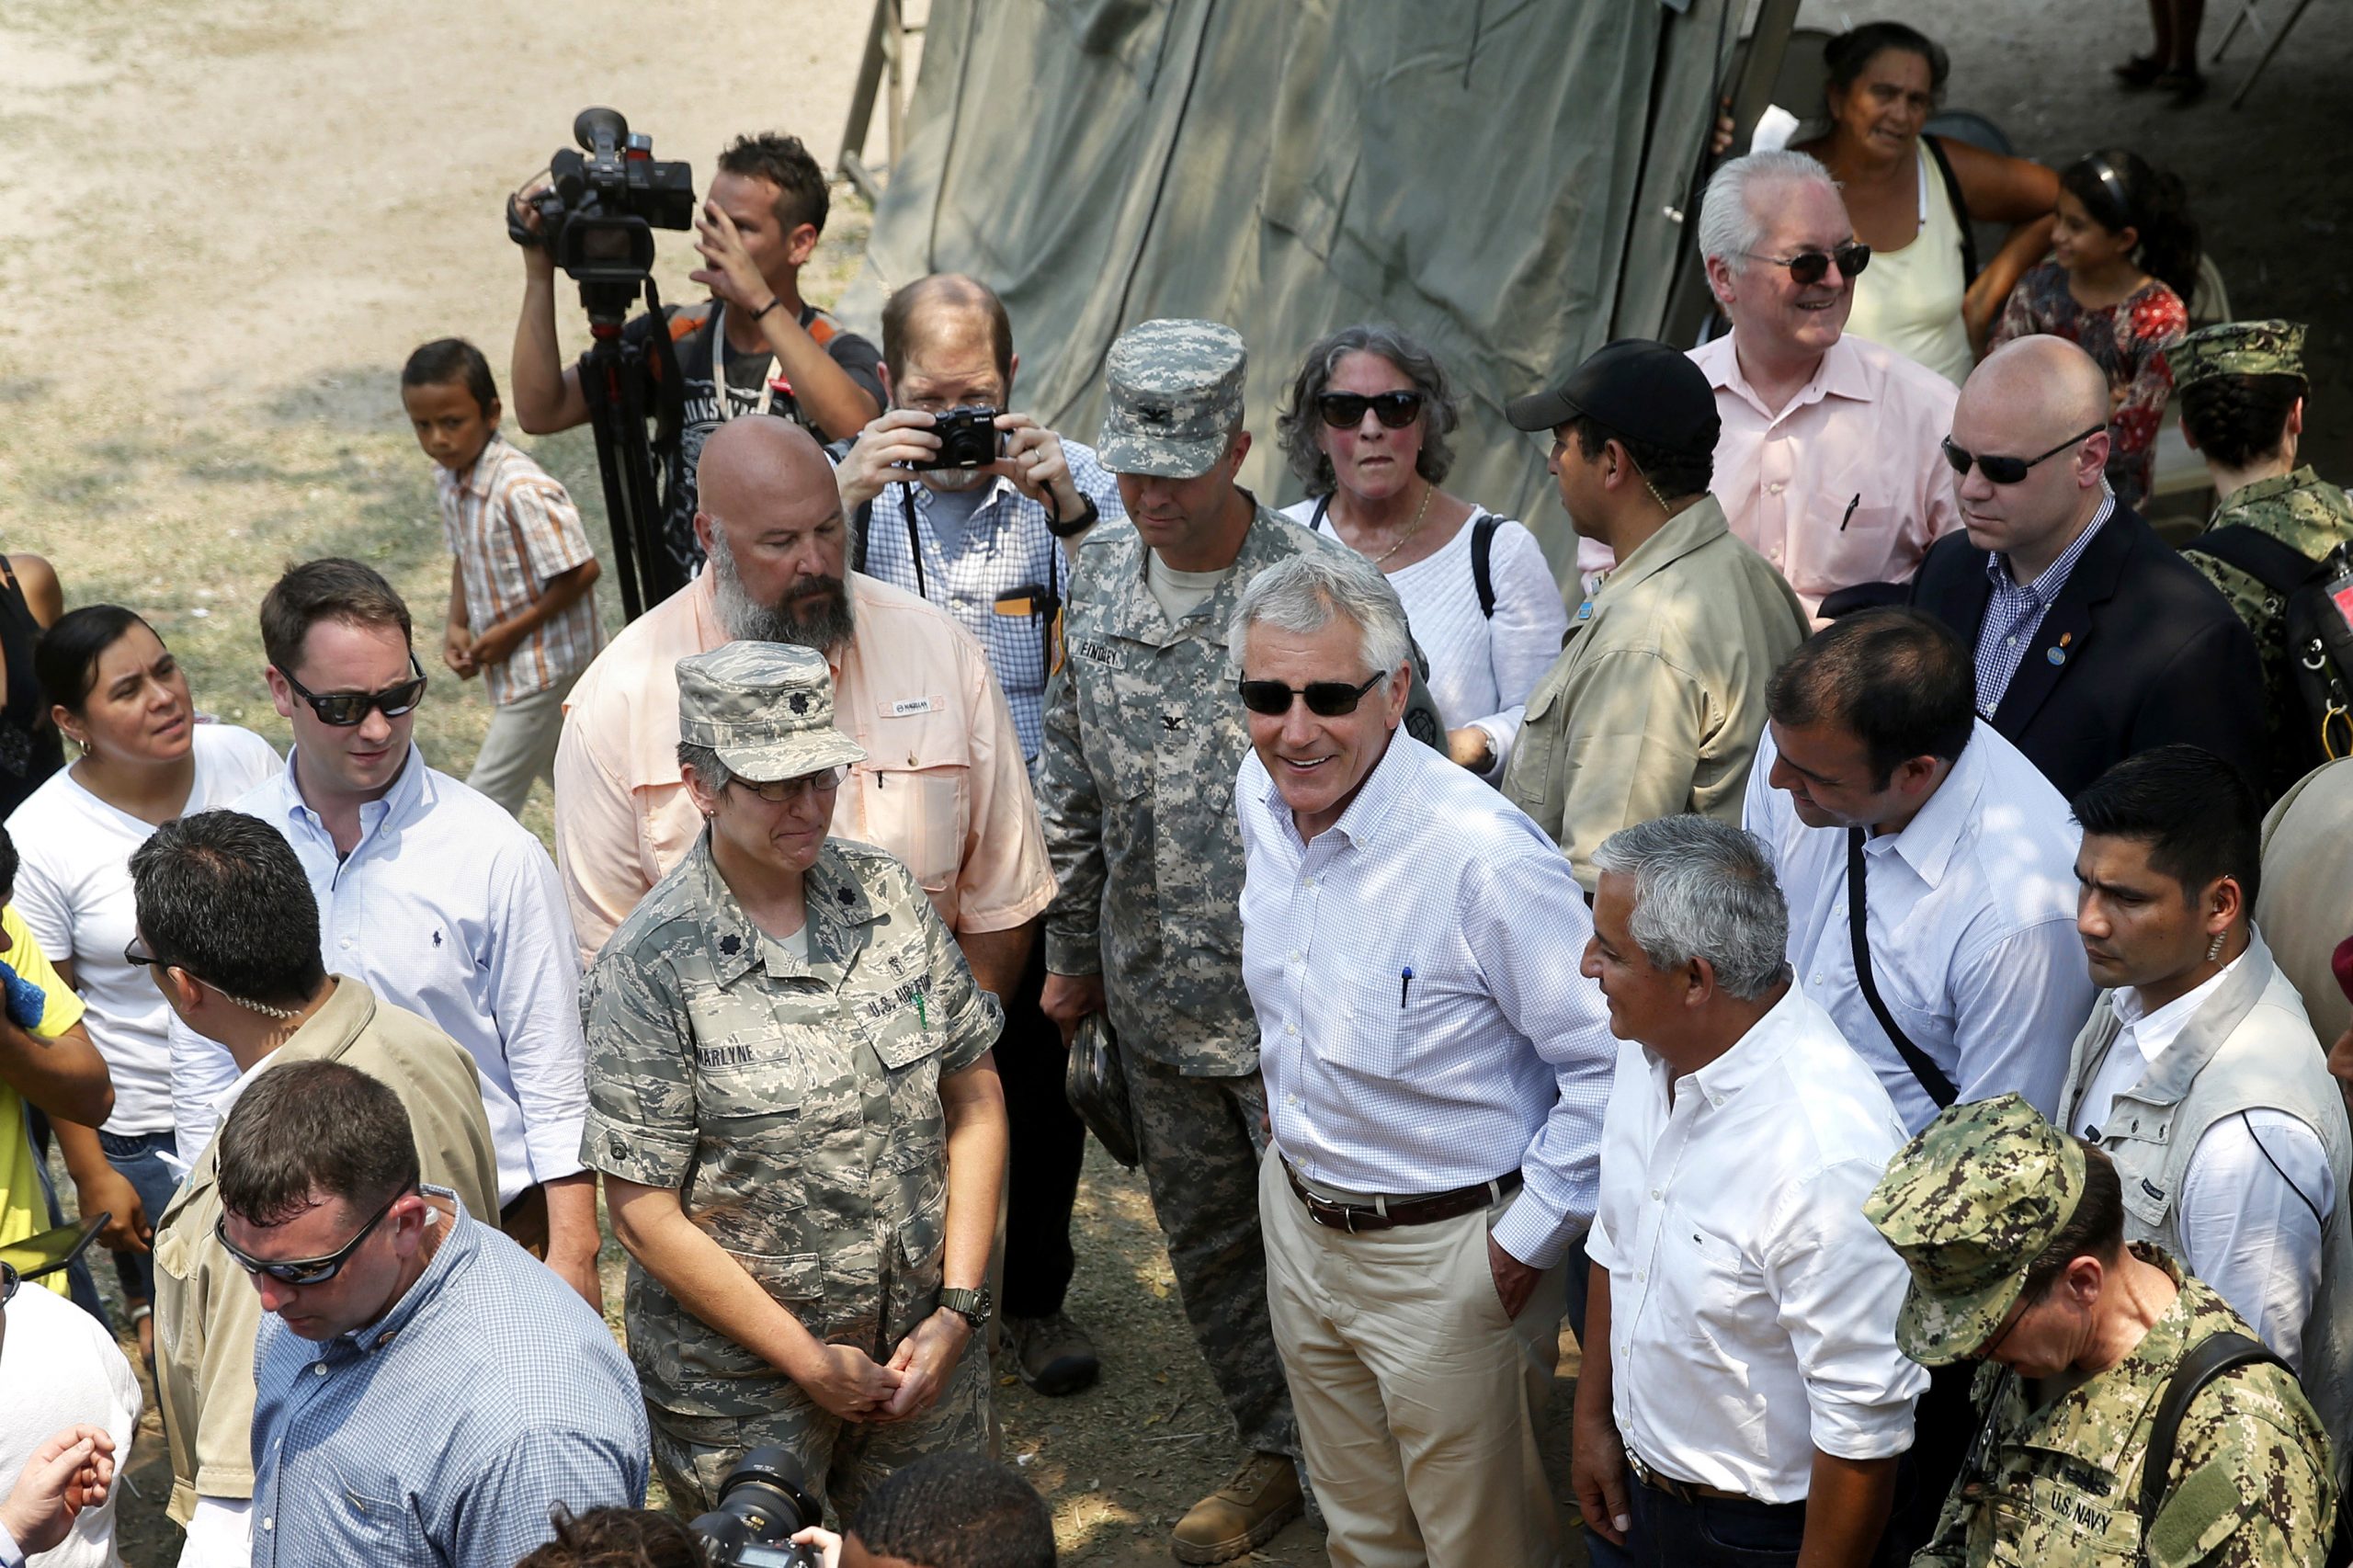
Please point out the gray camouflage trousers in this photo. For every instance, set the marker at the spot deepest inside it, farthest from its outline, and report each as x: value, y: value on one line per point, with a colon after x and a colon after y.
x: 1202, y: 1140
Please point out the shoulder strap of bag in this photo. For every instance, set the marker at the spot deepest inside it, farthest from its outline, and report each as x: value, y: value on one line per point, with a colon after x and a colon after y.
x: 1932, y: 1078
x: 1323, y: 504
x: 2279, y: 567
x: 2208, y: 1359
x: 1960, y: 207
x: 1482, y: 547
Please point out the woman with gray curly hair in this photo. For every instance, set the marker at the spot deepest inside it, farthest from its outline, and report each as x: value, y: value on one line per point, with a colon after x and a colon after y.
x: 1366, y: 426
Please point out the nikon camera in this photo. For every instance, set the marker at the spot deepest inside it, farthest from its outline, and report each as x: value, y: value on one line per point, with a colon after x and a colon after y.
x: 762, y: 1505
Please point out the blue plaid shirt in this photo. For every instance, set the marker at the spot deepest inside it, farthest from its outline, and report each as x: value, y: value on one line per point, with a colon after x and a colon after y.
x: 2015, y: 614
x: 444, y: 1431
x: 1005, y: 547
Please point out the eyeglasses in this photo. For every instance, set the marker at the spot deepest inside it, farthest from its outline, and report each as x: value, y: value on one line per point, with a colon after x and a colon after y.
x: 777, y: 792
x: 344, y: 708
x: 136, y: 958
x: 1810, y: 267
x: 1325, y: 698
x: 2008, y: 471
x: 1345, y: 411
x: 307, y: 1270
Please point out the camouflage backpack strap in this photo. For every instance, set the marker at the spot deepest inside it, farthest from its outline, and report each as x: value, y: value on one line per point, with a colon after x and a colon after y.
x: 2207, y: 1360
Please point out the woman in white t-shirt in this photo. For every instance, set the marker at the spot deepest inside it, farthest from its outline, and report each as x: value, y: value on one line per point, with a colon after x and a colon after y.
x: 146, y: 756
x: 1366, y: 427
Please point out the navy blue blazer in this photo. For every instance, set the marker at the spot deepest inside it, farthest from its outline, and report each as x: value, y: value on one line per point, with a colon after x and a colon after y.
x: 2137, y: 651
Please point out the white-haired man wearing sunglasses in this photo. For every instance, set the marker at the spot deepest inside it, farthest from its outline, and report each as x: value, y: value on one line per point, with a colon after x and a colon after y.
x: 1827, y: 464
x: 428, y: 891
x: 1434, y: 1074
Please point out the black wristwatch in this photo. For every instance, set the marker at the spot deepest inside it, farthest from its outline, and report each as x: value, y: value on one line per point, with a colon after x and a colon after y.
x: 1070, y: 528
x: 973, y: 1306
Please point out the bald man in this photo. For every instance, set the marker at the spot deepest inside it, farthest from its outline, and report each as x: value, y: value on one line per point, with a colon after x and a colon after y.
x: 2092, y: 638
x: 942, y: 786
x: 982, y: 543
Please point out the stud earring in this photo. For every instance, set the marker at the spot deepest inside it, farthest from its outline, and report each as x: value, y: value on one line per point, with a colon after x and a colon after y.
x: 2215, y: 948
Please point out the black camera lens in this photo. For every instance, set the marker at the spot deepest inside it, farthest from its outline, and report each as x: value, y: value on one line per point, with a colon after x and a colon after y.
x: 762, y: 1505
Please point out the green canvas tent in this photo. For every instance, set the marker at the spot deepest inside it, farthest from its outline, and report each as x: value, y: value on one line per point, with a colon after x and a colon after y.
x: 1510, y: 181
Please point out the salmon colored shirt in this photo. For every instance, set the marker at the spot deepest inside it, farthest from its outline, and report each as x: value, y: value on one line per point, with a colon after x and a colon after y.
x: 943, y: 786
x: 1862, y: 434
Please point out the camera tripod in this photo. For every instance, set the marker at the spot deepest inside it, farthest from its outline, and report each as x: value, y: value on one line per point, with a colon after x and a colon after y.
x: 620, y: 393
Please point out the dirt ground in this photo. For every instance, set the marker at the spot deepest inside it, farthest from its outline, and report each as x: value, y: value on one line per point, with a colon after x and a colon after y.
x: 228, y: 220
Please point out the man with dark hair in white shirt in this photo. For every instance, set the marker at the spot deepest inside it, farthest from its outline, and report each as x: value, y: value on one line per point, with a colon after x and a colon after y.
x: 1743, y: 1400
x: 1435, y: 1069
x: 1879, y: 790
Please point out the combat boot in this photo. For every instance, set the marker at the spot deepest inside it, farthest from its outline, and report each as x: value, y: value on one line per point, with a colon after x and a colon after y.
x: 1245, y: 1513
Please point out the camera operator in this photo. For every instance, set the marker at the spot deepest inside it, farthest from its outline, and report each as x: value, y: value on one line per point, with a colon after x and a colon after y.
x: 766, y: 209
x: 980, y: 542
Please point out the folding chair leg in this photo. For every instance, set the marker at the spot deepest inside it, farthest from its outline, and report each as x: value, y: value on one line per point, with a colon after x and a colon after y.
x: 2276, y: 39
x: 2245, y: 19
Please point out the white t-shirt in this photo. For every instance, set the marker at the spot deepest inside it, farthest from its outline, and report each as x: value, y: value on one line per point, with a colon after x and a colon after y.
x: 59, y: 1368
x: 1482, y: 667
x: 73, y: 889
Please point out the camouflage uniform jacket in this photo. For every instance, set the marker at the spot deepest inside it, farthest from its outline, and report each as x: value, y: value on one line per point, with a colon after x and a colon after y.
x: 2311, y: 517
x: 796, y: 1105
x: 2058, y: 1486
x: 1145, y: 735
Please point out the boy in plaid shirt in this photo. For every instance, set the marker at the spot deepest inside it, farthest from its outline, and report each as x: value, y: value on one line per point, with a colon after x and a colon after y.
x: 522, y: 607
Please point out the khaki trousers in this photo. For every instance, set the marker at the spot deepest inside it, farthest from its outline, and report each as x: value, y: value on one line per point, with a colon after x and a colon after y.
x: 1417, y: 1400
x: 520, y: 745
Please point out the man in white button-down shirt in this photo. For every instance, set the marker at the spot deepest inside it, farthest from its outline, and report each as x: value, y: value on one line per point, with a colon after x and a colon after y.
x: 1434, y: 1069
x: 1743, y: 1400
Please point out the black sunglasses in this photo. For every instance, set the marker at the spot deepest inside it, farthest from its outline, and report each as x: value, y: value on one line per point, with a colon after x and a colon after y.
x: 1325, y: 698
x: 1810, y: 267
x: 1345, y: 411
x: 306, y: 1270
x: 344, y: 708
x: 2008, y: 471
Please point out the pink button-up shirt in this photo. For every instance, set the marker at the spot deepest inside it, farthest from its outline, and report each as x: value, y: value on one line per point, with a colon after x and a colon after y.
x: 942, y: 787
x: 1856, y: 447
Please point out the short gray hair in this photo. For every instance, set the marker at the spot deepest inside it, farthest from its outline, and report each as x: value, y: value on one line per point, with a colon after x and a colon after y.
x: 1304, y: 594
x: 715, y: 775
x: 1300, y: 424
x: 1729, y: 222
x: 1704, y: 889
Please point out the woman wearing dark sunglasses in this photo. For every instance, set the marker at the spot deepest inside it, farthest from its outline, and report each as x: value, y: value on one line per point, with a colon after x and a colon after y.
x: 144, y: 756
x: 1366, y: 428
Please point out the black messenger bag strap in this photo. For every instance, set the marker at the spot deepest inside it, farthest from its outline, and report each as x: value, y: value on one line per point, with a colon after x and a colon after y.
x: 1931, y: 1076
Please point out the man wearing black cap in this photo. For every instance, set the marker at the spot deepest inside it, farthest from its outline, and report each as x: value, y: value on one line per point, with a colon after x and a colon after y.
x: 1658, y: 697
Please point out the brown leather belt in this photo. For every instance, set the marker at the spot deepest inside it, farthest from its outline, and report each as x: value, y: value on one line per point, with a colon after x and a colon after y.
x: 1681, y: 1491
x: 1389, y: 1214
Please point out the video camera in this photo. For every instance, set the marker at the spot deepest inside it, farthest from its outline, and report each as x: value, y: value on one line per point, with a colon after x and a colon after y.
x: 598, y: 213
x: 596, y: 219
x: 762, y: 1505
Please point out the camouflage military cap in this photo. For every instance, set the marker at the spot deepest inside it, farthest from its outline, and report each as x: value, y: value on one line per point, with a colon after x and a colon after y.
x: 1969, y: 1205
x: 2238, y: 348
x: 766, y: 708
x: 1175, y: 393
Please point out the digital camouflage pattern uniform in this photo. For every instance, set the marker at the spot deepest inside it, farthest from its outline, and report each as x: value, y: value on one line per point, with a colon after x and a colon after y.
x: 2300, y: 509
x: 796, y: 1107
x: 1144, y: 735
x: 2053, y: 1480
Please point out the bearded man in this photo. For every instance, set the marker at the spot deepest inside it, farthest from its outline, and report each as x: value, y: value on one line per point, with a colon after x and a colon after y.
x: 942, y: 786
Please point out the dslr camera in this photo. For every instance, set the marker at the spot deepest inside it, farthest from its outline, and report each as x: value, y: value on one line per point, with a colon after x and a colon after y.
x: 602, y: 204
x: 762, y: 1505
x: 968, y: 439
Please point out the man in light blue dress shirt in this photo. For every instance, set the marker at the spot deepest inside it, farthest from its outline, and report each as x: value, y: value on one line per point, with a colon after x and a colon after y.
x: 1434, y: 1071
x: 429, y: 893
x: 424, y: 1392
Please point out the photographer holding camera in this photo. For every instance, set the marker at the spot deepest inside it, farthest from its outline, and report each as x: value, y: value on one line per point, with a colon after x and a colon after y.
x: 963, y: 504
x: 767, y: 208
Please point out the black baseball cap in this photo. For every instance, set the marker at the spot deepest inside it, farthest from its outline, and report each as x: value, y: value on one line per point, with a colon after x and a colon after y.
x: 1638, y: 388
